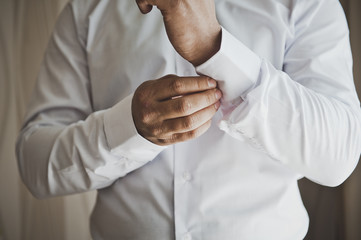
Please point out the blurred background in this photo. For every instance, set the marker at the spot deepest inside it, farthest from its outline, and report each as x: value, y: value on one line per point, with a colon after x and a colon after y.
x: 25, y: 26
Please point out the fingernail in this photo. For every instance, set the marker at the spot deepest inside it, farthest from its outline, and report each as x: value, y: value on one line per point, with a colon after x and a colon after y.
x: 212, y: 82
x: 218, y: 94
x: 216, y: 105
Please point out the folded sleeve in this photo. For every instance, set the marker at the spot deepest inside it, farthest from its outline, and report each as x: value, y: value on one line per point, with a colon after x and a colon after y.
x: 64, y: 146
x: 305, y: 115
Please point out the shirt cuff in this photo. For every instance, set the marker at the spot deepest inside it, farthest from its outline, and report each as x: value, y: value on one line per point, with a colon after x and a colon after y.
x: 122, y: 136
x: 234, y: 66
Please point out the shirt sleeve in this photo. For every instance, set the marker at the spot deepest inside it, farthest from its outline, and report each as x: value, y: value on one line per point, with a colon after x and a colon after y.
x: 306, y: 115
x: 65, y: 147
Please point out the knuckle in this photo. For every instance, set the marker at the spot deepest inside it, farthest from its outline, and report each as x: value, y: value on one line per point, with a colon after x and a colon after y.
x: 193, y: 134
x: 156, y: 131
x: 145, y: 102
x: 146, y: 117
x: 177, y: 85
x: 143, y: 95
x: 184, y: 106
x: 145, y: 91
x: 200, y: 84
x: 173, y: 137
x: 190, y: 122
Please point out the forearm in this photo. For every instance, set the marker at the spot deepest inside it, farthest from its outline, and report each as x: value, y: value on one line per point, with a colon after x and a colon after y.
x: 314, y: 135
x: 191, y: 26
x: 59, y: 159
x: 305, y: 115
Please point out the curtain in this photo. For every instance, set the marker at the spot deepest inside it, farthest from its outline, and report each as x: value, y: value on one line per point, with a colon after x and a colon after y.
x: 25, y: 27
x: 352, y: 188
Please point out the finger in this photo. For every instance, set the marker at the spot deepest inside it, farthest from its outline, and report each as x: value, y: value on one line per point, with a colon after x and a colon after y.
x: 189, y: 104
x: 181, y: 137
x: 188, y: 123
x: 173, y: 86
x: 144, y: 6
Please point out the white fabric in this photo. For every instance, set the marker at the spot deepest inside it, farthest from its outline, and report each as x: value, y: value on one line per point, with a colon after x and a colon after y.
x: 300, y: 116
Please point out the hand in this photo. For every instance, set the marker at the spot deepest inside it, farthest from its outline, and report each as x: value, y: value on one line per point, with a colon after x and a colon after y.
x: 191, y: 25
x: 174, y: 109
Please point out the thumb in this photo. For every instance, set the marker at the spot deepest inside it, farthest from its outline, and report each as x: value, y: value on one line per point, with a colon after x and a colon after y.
x: 144, y: 6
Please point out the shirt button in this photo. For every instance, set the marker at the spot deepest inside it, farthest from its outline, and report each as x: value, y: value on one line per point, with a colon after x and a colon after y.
x: 187, y: 176
x: 187, y: 237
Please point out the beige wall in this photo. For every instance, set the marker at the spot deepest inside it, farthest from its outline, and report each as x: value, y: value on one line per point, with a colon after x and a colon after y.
x: 25, y: 26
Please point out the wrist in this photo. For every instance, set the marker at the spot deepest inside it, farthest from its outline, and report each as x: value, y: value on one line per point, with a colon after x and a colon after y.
x: 205, y: 49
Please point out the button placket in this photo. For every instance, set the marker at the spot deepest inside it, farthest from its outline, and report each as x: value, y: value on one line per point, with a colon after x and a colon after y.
x: 184, y: 196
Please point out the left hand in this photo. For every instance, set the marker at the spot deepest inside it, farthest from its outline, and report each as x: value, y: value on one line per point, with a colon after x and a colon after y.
x: 174, y: 109
x: 191, y: 25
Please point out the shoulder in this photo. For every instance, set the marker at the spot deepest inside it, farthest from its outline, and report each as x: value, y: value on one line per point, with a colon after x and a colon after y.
x: 80, y: 11
x: 326, y: 12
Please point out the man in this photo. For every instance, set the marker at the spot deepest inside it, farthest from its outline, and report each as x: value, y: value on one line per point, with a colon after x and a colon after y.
x: 195, y: 121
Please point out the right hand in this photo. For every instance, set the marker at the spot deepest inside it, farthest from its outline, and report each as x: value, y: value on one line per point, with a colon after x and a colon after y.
x: 174, y: 109
x: 191, y: 25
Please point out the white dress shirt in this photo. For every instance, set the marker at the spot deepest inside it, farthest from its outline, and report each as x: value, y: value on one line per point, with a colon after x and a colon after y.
x: 289, y: 110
